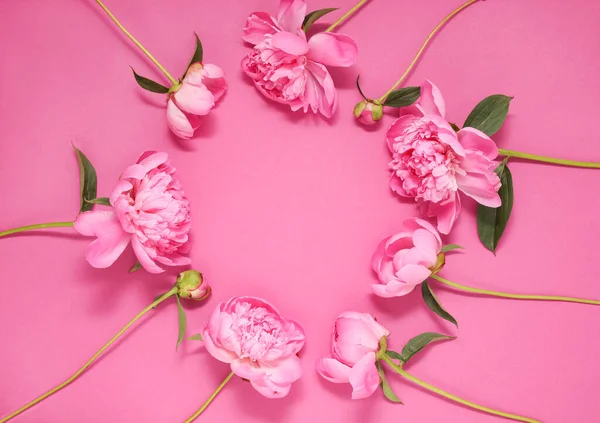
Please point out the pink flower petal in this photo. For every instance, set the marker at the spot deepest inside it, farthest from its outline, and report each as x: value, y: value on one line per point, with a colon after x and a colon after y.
x: 111, y: 238
x: 143, y: 257
x: 364, y: 377
x: 481, y: 188
x: 258, y: 25
x: 219, y: 353
x: 333, y: 370
x: 394, y: 288
x: 474, y: 139
x: 431, y: 100
x: 325, y: 100
x: 269, y: 389
x: 290, y: 43
x: 332, y: 49
x: 197, y: 100
x: 413, y: 274
x: 425, y: 241
x: 283, y: 371
x: 214, y: 80
x: 178, y: 122
x: 291, y: 14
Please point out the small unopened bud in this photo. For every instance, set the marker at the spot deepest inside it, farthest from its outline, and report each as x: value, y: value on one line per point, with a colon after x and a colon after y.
x: 368, y: 112
x: 191, y: 284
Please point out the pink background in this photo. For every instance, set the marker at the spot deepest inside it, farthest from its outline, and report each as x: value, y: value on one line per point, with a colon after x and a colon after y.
x: 290, y: 207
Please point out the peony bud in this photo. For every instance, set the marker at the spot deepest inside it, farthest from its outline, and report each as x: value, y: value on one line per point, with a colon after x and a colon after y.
x: 191, y: 284
x: 368, y: 112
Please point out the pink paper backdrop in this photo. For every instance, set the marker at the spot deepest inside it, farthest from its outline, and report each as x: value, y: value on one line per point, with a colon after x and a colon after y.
x: 290, y: 207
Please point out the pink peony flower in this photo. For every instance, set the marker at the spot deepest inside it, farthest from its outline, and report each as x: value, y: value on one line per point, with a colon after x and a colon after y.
x: 354, y: 349
x: 150, y: 210
x: 259, y: 344
x: 288, y: 69
x: 202, y: 86
x: 404, y: 260
x: 368, y: 112
x: 431, y: 162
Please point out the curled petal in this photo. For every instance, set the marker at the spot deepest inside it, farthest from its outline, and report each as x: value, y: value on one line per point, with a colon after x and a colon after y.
x: 474, y: 139
x: 194, y: 99
x: 258, y: 26
x: 290, y: 43
x: 111, y: 238
x: 394, y: 288
x: 214, y: 80
x: 431, y: 100
x: 144, y: 258
x: 332, y: 49
x: 320, y: 92
x: 291, y: 14
x: 333, y: 370
x: 364, y: 377
x: 183, y: 125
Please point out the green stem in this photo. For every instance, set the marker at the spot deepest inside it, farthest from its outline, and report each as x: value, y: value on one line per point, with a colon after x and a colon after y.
x: 57, y: 388
x: 346, y: 15
x: 209, y: 400
x: 408, y: 376
x: 38, y: 226
x: 137, y: 43
x: 514, y: 296
x: 534, y: 157
x: 423, y: 46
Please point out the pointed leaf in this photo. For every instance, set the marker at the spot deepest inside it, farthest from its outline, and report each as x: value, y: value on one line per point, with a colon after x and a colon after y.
x: 198, y: 54
x: 88, y: 181
x: 394, y: 355
x: 450, y: 247
x: 492, y: 222
x: 197, y: 337
x: 136, y: 267
x: 387, y: 389
x: 101, y: 200
x: 434, y: 304
x: 182, y: 322
x: 415, y: 345
x: 312, y: 17
x: 149, y: 84
x: 489, y: 115
x: 403, y: 97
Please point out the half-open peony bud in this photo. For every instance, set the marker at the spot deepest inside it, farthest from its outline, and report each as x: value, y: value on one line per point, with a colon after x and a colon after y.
x: 368, y: 112
x: 191, y: 284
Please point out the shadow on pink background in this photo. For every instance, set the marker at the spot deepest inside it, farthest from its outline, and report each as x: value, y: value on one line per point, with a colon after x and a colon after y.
x: 290, y: 207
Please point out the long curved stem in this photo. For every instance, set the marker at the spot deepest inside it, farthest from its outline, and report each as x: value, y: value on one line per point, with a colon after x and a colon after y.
x: 423, y: 46
x: 514, y: 296
x: 57, y: 388
x: 535, y: 157
x: 346, y: 15
x: 137, y: 43
x: 209, y: 400
x: 37, y: 226
x: 452, y: 397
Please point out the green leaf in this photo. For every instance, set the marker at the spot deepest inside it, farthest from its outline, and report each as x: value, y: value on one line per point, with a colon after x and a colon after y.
x: 137, y: 266
x: 102, y: 200
x: 182, y: 322
x: 149, y: 84
x: 197, y: 337
x: 312, y: 17
x: 434, y: 304
x: 88, y: 181
x: 387, y: 389
x: 394, y: 355
x: 491, y: 222
x: 416, y: 345
x: 489, y: 115
x: 359, y: 89
x: 454, y: 126
x: 451, y: 247
x: 198, y: 54
x: 403, y: 97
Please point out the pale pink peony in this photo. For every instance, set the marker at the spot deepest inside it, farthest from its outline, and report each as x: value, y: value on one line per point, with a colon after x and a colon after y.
x: 354, y: 348
x: 259, y: 344
x: 150, y: 210
x: 431, y: 162
x: 288, y: 69
x: 202, y: 86
x: 406, y: 259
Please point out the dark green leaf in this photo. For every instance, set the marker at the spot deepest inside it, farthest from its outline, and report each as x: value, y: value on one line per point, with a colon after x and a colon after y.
x: 451, y: 247
x: 197, y: 337
x: 455, y: 127
x: 403, y: 97
x: 102, y: 201
x: 434, y: 304
x: 312, y: 17
x: 415, y: 345
x: 198, y: 54
x: 393, y: 354
x: 491, y: 222
x: 359, y: 89
x: 387, y: 389
x: 88, y: 181
x: 182, y: 322
x: 489, y: 115
x: 137, y: 266
x: 149, y: 84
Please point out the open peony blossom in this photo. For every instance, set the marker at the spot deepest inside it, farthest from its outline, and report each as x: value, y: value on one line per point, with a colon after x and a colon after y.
x: 287, y: 68
x: 404, y: 260
x: 202, y: 86
x: 431, y: 162
x: 150, y: 210
x: 355, y: 344
x: 259, y: 344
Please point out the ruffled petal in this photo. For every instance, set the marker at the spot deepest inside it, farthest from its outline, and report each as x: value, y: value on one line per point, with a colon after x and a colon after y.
x: 258, y: 26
